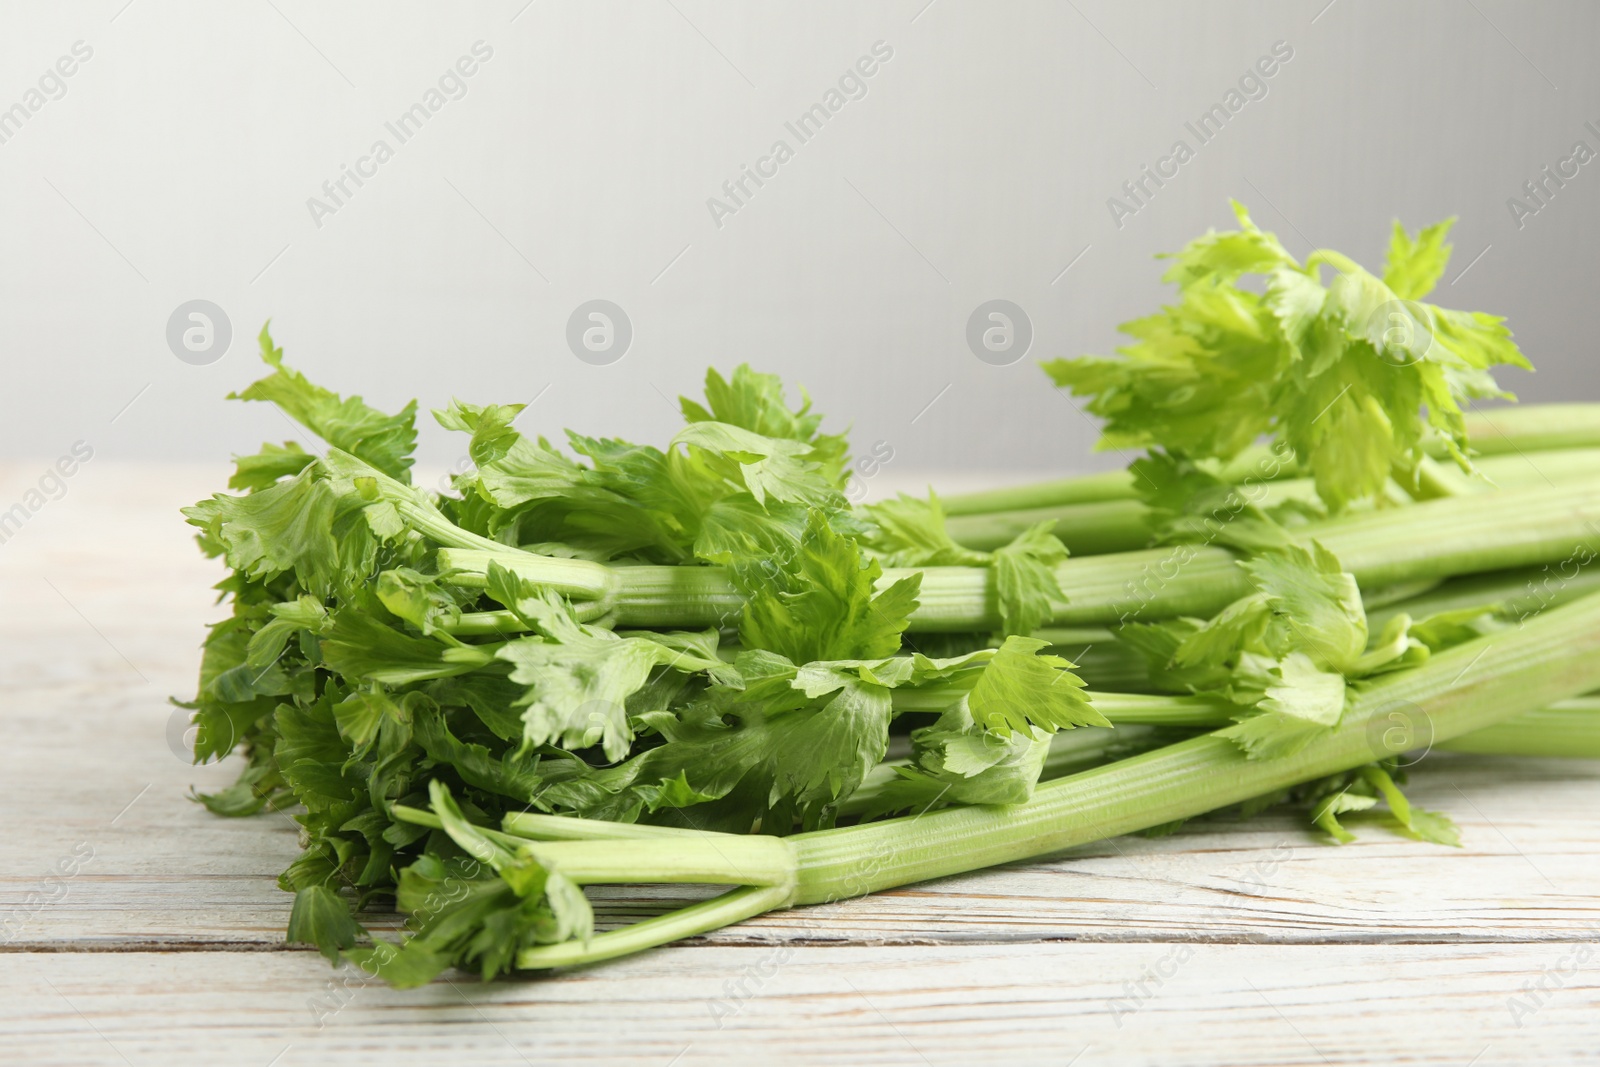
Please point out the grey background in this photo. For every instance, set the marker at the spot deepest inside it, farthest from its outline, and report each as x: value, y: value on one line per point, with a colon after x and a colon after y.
x: 178, y: 164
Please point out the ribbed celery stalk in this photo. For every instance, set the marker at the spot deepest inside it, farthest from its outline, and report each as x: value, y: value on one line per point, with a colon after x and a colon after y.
x: 1119, y: 525
x: 1495, y: 432
x: 1567, y: 728
x: 1078, y: 489
x: 1087, y: 529
x: 1531, y: 428
x: 1141, y: 708
x: 1070, y: 751
x: 1107, y: 664
x: 1516, y: 593
x: 1434, y: 539
x: 1471, y: 687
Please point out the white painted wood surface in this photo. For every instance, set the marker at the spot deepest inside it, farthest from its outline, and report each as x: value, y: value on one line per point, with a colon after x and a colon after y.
x: 1235, y: 944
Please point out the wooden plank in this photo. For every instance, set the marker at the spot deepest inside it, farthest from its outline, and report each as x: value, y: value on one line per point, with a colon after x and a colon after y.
x: 105, y: 625
x: 168, y: 873
x: 1082, y: 1004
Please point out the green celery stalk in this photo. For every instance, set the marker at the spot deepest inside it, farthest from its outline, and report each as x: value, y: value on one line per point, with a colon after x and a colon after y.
x: 1432, y: 539
x: 1530, y: 428
x: 1095, y: 527
x: 1106, y: 664
x: 1507, y: 431
x: 1567, y: 728
x: 1140, y: 708
x: 1515, y: 593
x: 1471, y: 687
x: 1435, y: 539
x: 1091, y: 528
x: 1468, y: 688
x: 1056, y: 492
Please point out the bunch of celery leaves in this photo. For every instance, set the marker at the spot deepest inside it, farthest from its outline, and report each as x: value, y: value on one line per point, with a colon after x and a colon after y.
x: 616, y: 663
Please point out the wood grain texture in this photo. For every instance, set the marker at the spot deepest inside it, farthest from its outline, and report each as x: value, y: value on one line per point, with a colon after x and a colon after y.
x: 166, y: 938
x: 1048, y: 1004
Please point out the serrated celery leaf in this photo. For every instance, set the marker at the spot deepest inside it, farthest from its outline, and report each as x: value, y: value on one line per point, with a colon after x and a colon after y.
x: 348, y: 423
x: 1020, y: 689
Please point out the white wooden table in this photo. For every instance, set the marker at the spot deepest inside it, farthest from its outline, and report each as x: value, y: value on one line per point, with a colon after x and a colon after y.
x: 1228, y: 944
